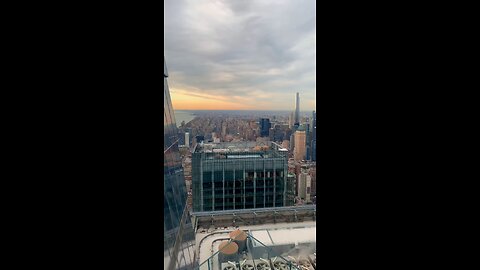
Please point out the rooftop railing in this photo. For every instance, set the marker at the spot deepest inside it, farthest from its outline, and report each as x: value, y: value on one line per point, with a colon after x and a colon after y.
x: 245, y: 260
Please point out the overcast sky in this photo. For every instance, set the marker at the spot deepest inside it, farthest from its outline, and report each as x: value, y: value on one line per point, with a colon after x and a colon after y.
x: 241, y: 54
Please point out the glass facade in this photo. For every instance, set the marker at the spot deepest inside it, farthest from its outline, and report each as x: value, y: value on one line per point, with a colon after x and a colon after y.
x: 264, y: 127
x: 240, y: 180
x: 179, y: 239
x: 314, y: 137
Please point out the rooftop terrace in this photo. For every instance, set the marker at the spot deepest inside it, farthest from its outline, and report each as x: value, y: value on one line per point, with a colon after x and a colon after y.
x: 277, y: 238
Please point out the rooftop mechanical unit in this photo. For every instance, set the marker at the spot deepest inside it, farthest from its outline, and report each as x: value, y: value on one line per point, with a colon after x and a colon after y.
x: 228, y: 251
x: 262, y: 264
x: 247, y: 265
x: 229, y: 266
x: 294, y: 261
x: 279, y: 264
x: 240, y: 238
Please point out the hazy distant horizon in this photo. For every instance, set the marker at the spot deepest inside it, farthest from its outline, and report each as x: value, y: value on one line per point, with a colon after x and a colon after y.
x: 189, y: 115
x: 180, y: 110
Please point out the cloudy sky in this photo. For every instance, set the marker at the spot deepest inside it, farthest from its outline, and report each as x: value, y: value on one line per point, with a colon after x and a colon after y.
x: 240, y: 54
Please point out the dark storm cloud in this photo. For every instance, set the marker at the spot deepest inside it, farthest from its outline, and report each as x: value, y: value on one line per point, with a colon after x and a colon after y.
x: 248, y: 50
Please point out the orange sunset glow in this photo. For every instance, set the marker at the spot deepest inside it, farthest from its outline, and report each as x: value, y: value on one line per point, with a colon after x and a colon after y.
x: 181, y: 101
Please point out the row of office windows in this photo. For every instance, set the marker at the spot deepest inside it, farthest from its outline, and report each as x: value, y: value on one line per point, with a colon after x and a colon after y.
x: 239, y: 175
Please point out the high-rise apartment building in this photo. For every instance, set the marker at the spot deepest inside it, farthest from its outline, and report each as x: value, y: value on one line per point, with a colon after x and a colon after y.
x: 264, y: 127
x: 305, y: 186
x: 245, y: 175
x: 314, y: 150
x: 187, y: 139
x: 277, y: 133
x: 300, y: 145
x: 313, y: 174
x: 177, y: 227
x: 308, y: 140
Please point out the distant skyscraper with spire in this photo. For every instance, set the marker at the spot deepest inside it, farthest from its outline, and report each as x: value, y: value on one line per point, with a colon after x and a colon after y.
x: 297, y: 110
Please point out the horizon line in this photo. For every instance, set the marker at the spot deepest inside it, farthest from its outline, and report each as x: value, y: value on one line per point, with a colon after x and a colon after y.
x: 241, y: 110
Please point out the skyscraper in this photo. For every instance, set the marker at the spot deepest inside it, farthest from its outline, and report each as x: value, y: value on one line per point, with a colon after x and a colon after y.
x: 224, y: 129
x: 230, y: 176
x: 313, y: 143
x: 297, y: 110
x: 308, y: 139
x: 313, y: 119
x: 264, y: 127
x: 299, y: 150
x: 177, y: 227
x: 292, y: 142
x: 314, y: 150
x: 305, y: 186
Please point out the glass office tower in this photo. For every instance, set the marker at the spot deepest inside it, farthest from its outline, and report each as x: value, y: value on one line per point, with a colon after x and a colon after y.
x: 265, y: 126
x: 314, y: 136
x: 179, y: 241
x: 232, y: 176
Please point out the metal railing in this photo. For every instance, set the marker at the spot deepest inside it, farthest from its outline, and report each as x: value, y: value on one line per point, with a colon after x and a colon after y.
x: 257, y: 210
x: 272, y: 256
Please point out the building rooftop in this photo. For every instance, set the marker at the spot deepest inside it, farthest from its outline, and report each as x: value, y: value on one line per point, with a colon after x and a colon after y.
x: 239, y: 150
x: 277, y: 237
x: 224, y: 147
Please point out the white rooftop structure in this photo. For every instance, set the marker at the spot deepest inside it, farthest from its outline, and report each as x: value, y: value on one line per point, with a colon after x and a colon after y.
x: 290, y: 240
x: 286, y: 235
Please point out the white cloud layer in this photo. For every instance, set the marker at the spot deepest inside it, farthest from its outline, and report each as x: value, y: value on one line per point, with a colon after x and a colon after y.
x: 256, y: 51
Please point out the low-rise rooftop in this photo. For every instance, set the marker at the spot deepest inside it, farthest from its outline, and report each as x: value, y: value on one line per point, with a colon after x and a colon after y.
x: 276, y: 236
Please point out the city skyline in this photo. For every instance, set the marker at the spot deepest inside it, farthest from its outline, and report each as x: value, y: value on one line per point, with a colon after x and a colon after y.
x: 227, y: 55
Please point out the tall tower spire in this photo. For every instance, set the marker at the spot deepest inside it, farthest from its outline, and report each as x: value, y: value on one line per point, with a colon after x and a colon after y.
x: 297, y: 110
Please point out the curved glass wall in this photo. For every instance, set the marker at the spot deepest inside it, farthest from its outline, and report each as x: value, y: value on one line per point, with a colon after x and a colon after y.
x: 179, y: 240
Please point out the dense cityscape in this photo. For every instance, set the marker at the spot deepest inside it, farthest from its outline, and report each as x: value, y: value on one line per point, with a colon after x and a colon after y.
x: 246, y: 126
x: 222, y: 168
x: 240, y: 182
